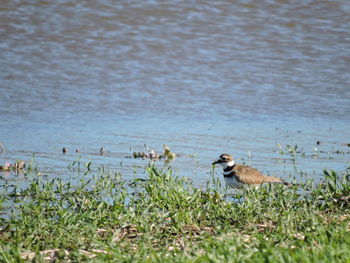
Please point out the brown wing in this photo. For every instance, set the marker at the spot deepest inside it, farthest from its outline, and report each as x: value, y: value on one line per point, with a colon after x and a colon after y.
x: 249, y: 175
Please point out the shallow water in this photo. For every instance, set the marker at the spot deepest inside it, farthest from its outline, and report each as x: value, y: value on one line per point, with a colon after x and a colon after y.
x: 203, y: 77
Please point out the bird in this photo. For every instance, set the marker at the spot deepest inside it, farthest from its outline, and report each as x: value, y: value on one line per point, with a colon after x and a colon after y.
x: 239, y: 176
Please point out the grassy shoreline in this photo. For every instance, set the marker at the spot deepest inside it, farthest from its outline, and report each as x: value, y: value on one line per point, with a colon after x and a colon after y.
x: 166, y: 219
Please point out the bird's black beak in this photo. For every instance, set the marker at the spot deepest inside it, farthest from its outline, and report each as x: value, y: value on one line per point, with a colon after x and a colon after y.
x: 217, y: 161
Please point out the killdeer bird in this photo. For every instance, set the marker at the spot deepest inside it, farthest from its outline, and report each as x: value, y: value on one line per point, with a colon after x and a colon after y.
x: 237, y: 175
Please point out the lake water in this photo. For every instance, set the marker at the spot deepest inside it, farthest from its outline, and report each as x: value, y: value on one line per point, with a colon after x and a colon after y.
x: 204, y: 77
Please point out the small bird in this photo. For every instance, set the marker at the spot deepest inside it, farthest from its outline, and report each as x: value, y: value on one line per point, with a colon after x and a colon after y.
x: 238, y: 176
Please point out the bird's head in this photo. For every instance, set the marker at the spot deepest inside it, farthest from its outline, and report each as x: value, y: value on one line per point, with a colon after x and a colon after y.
x: 225, y: 160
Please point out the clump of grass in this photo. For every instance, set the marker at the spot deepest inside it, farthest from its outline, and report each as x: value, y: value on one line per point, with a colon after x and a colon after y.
x: 165, y: 218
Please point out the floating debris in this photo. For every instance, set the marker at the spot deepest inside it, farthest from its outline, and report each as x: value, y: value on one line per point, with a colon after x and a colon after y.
x: 77, y: 151
x: 65, y: 150
x: 139, y: 155
x: 18, y: 165
x: 152, y: 155
x: 5, y: 167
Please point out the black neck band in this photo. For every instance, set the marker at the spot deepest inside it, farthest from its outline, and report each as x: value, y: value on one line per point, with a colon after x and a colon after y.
x: 229, y: 168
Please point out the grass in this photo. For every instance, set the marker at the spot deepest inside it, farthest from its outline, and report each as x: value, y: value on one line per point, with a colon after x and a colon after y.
x: 164, y: 218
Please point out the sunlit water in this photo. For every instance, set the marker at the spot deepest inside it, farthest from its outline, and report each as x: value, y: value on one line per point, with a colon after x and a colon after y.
x: 203, y: 77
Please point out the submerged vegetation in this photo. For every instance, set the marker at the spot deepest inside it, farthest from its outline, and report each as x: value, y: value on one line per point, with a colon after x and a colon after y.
x: 164, y: 218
